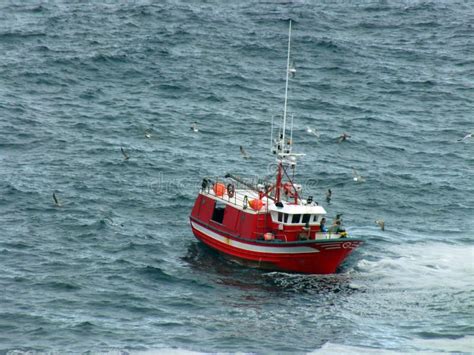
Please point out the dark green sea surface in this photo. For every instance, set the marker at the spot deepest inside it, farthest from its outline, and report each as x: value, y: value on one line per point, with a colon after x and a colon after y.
x: 116, y: 267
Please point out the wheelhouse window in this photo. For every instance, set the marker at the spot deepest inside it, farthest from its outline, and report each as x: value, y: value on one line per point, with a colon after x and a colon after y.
x: 218, y: 213
x: 285, y: 218
x: 296, y: 218
x: 306, y: 218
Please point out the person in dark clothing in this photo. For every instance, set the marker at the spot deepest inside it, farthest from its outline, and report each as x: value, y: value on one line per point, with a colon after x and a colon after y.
x: 328, y: 196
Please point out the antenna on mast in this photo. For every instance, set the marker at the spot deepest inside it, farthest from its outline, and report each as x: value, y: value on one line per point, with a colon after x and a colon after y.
x: 281, y: 145
x: 286, y: 86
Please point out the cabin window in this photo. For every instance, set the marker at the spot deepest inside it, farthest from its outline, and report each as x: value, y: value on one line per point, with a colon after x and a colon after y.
x: 306, y: 218
x: 296, y: 218
x: 315, y: 218
x: 285, y: 217
x: 218, y: 214
x: 280, y: 217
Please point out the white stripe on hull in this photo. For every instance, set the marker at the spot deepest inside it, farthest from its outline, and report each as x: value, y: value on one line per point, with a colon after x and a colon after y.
x: 252, y: 247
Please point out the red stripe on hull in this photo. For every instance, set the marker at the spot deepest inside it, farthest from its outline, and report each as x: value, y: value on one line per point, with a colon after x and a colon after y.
x: 326, y: 261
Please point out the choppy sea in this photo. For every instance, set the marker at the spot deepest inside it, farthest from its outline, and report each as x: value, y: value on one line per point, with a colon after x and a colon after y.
x: 116, y: 269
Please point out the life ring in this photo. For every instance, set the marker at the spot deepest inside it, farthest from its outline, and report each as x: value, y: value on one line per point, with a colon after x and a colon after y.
x: 347, y: 245
x: 230, y: 190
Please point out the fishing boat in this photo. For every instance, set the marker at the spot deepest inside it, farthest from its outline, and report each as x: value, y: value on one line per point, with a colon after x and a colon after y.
x: 268, y: 224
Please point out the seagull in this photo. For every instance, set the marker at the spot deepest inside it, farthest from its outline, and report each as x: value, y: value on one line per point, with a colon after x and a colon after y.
x: 469, y: 135
x: 125, y: 155
x: 312, y: 131
x: 56, y: 201
x: 147, y: 134
x: 356, y: 176
x: 343, y: 137
x: 110, y: 220
x: 381, y: 224
x: 328, y: 196
x: 194, y: 127
x: 244, y: 153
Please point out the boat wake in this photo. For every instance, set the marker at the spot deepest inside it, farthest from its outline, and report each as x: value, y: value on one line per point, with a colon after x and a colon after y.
x: 442, y: 266
x: 312, y: 284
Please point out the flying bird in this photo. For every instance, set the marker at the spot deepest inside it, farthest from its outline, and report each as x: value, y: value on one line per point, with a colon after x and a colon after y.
x: 381, y: 224
x: 356, y: 176
x: 343, y: 137
x: 56, y: 201
x: 244, y: 153
x: 194, y: 127
x: 467, y: 136
x: 125, y: 155
x: 312, y: 131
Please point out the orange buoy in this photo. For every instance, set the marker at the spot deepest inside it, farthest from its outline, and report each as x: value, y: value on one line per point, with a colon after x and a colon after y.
x: 256, y: 204
x: 219, y: 189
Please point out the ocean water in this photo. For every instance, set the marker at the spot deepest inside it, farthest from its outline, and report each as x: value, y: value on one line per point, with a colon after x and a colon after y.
x: 116, y: 268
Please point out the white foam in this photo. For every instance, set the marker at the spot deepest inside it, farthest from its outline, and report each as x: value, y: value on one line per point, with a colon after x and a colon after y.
x: 178, y: 351
x: 330, y: 349
x: 460, y: 345
x: 425, y: 265
x: 420, y: 346
x: 167, y: 351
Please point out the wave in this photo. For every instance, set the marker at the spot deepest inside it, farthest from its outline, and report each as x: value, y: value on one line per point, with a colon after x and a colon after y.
x: 443, y: 266
x: 90, y: 93
x: 15, y: 36
x: 60, y: 286
x: 330, y: 44
x: 156, y: 274
x: 461, y: 344
x: 377, y: 25
x: 110, y: 58
x: 320, y: 284
x: 43, y: 48
x: 171, y: 87
x: 215, y: 98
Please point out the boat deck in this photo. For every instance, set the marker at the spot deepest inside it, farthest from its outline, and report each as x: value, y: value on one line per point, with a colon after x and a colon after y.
x: 240, y: 199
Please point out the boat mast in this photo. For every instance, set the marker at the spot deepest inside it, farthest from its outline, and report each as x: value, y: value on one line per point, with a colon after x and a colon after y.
x: 286, y: 86
x: 281, y: 139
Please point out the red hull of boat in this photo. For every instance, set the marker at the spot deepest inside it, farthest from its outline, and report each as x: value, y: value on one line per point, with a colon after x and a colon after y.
x: 310, y: 257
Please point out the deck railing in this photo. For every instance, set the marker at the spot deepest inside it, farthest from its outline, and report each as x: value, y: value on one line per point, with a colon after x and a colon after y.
x: 238, y: 198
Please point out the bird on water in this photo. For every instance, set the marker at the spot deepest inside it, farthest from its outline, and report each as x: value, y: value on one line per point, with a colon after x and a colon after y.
x: 381, y: 224
x: 125, y: 155
x: 343, y: 137
x: 466, y: 137
x: 356, y: 176
x: 312, y: 131
x: 244, y: 153
x: 56, y: 201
